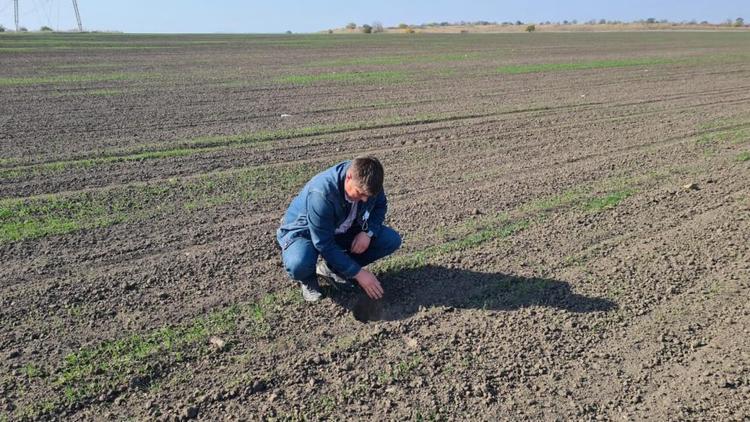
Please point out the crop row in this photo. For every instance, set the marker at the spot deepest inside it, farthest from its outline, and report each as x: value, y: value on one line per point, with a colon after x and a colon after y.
x: 28, y: 218
x: 141, y: 360
x: 46, y: 215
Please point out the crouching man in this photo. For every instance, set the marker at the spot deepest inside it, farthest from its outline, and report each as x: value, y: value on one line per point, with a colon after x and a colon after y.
x: 338, y: 215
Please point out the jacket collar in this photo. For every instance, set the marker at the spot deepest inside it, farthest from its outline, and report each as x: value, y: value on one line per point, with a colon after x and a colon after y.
x: 342, y: 178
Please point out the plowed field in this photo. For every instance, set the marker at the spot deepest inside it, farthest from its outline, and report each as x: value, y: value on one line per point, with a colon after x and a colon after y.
x: 575, y: 210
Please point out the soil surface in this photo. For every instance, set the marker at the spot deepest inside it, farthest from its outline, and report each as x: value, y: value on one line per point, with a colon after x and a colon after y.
x: 575, y: 212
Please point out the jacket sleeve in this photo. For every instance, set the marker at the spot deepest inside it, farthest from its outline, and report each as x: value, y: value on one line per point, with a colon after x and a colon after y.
x: 321, y: 221
x: 377, y: 216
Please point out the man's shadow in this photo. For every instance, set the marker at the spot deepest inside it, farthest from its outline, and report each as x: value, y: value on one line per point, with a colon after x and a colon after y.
x: 408, y: 290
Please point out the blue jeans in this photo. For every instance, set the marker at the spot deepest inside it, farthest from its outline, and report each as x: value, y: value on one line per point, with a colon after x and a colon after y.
x: 300, y: 256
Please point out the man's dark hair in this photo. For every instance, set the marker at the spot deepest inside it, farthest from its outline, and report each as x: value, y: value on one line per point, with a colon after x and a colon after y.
x: 368, y: 173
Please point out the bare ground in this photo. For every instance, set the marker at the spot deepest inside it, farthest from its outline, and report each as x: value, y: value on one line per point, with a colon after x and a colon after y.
x: 576, y: 241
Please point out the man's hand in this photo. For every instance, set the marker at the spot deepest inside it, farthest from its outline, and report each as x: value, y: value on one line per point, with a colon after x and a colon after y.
x: 369, y: 284
x: 360, y: 243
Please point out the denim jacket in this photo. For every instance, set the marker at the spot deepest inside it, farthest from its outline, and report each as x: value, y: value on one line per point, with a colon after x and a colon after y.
x: 320, y: 208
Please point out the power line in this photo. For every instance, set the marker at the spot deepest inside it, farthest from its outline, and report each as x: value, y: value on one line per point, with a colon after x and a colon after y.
x: 47, y: 13
x: 78, y: 15
x: 46, y: 10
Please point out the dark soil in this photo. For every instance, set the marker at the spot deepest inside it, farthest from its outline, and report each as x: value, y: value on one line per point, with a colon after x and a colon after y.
x: 631, y: 309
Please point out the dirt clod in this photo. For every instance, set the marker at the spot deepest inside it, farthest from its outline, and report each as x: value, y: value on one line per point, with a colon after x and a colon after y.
x: 190, y: 412
x: 259, y: 386
x: 690, y: 186
x: 217, y: 342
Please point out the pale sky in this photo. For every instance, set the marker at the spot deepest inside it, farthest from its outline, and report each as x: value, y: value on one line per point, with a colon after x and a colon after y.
x: 236, y: 16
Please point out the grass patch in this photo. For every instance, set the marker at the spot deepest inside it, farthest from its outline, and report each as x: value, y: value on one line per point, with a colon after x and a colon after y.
x: 733, y: 136
x: 726, y: 130
x: 17, y: 50
x: 396, y: 60
x: 724, y: 122
x: 473, y: 233
x: 8, y: 161
x: 105, y: 92
x: 29, y: 218
x: 90, y: 372
x: 140, y: 360
x: 345, y: 77
x: 743, y: 156
x: 46, y: 168
x: 423, y: 257
x: 595, y: 64
x: 70, y: 79
x: 399, y: 371
x: 32, y: 371
x: 78, y: 66
x: 93, y: 92
x: 608, y: 201
x: 210, y: 143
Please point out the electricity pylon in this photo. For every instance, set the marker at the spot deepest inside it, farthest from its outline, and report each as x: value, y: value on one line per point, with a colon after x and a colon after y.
x: 78, y: 15
x: 75, y: 7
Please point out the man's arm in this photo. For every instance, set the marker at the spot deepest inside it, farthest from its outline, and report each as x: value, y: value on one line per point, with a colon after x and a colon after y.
x: 321, y: 221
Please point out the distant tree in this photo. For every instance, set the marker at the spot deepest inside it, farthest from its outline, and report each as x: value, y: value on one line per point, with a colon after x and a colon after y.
x: 402, y: 26
x: 602, y: 21
x: 330, y: 31
x: 367, y: 29
x: 377, y: 27
x: 288, y: 32
x: 531, y: 28
x: 351, y: 25
x: 574, y: 21
x: 519, y: 23
x: 704, y: 22
x: 2, y: 28
x: 739, y: 22
x: 23, y: 29
x: 565, y: 22
x: 45, y: 29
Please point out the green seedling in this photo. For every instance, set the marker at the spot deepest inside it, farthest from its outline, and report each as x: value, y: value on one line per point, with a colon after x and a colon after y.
x: 595, y: 64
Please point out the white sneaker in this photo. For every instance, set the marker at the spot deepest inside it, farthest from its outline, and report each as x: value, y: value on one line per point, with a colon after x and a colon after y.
x: 311, y: 293
x: 339, y: 282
